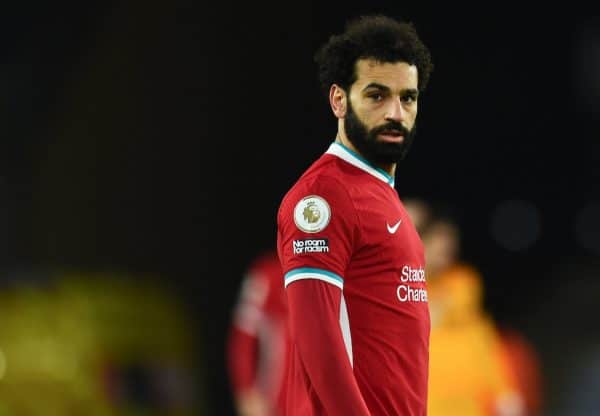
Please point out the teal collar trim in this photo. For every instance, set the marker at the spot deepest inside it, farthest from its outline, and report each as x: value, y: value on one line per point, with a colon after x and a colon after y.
x: 360, y: 162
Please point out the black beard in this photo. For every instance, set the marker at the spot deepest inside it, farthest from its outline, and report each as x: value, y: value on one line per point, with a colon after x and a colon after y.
x: 376, y: 151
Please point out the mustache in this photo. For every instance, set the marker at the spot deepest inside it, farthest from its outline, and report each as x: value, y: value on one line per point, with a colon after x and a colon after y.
x: 390, y: 125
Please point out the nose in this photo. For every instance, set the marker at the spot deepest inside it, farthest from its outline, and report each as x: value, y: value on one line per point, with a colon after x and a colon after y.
x: 396, y: 111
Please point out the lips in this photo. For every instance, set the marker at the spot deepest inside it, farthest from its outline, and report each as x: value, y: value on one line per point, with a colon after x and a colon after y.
x: 391, y: 132
x: 391, y: 136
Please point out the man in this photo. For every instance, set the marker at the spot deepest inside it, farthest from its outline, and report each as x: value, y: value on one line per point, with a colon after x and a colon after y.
x: 352, y: 260
x: 470, y: 367
x: 258, y: 342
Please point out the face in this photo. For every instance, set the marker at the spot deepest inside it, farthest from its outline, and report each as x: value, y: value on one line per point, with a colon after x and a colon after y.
x: 441, y: 242
x: 382, y: 110
x: 418, y: 211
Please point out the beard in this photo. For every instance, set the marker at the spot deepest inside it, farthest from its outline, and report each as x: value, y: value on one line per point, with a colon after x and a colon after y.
x: 369, y: 146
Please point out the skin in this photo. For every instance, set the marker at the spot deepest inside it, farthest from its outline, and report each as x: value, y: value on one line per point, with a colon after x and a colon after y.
x: 441, y: 243
x: 381, y: 92
x: 418, y: 211
x: 253, y: 403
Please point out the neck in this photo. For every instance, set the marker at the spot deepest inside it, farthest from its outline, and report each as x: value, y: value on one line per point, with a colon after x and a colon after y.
x: 389, y: 168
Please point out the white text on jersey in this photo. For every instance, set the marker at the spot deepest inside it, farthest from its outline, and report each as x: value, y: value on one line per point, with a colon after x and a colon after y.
x: 311, y: 245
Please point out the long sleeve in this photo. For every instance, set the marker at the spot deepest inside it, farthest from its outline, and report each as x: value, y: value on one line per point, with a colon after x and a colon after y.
x: 242, y: 357
x: 243, y: 341
x: 314, y: 310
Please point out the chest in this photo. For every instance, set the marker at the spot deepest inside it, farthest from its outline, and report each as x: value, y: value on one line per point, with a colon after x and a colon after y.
x: 388, y: 236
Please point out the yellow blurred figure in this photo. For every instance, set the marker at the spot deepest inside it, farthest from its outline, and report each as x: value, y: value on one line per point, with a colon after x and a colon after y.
x: 44, y: 352
x: 96, y: 344
x: 468, y: 374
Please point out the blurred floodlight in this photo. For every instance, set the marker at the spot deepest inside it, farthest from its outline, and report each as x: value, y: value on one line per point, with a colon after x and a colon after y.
x: 515, y: 224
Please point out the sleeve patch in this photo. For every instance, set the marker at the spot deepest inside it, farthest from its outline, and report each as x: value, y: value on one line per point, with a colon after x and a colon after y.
x: 311, y: 245
x: 312, y: 214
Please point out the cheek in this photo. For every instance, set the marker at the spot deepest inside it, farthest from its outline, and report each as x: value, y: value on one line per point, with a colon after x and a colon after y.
x: 413, y: 113
x: 366, y: 116
x: 374, y: 117
x: 410, y: 119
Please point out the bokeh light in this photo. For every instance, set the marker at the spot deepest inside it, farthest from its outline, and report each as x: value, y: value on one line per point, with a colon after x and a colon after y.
x: 515, y: 224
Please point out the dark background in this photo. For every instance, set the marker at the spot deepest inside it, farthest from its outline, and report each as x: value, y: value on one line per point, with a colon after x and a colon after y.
x: 161, y: 138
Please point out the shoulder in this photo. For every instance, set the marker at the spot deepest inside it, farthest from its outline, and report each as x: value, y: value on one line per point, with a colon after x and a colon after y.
x: 322, y: 192
x: 325, y: 178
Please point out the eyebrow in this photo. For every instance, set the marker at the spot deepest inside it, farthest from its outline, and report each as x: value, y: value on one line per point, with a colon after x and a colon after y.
x: 382, y: 87
x: 376, y: 85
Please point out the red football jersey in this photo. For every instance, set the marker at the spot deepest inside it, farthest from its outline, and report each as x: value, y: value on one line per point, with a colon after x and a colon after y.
x: 258, y: 342
x: 354, y: 263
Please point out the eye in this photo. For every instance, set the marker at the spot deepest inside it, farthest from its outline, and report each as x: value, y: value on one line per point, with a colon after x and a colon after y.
x: 376, y: 96
x: 409, y: 98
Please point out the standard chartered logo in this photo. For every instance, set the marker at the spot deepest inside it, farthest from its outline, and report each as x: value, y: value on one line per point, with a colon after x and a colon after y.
x: 412, y: 275
x: 408, y: 293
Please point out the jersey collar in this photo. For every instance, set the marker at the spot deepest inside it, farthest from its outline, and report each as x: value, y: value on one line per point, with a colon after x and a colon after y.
x: 355, y: 159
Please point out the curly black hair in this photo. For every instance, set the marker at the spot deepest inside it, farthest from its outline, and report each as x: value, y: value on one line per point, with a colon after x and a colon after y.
x: 375, y: 37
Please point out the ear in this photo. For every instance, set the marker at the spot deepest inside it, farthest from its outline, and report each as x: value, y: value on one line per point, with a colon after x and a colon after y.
x: 337, y: 100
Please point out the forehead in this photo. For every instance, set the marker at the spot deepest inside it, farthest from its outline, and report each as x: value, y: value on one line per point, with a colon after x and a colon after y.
x: 396, y: 76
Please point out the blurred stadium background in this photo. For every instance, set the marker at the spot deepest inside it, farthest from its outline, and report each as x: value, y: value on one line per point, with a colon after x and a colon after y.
x: 145, y: 149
